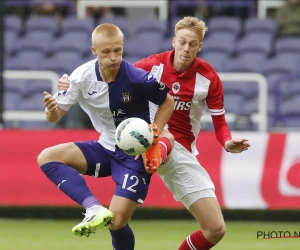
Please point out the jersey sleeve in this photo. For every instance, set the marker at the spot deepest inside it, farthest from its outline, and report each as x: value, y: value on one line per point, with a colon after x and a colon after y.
x: 147, y: 63
x: 155, y: 91
x: 66, y: 98
x: 215, y: 104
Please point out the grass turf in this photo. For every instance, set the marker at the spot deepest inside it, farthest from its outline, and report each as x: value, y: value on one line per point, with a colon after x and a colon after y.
x: 154, y: 234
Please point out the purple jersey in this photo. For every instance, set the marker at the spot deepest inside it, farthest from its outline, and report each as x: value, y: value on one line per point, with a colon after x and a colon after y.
x: 108, y: 104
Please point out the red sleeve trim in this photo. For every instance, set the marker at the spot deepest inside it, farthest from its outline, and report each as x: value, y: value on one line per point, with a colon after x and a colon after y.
x: 222, y: 130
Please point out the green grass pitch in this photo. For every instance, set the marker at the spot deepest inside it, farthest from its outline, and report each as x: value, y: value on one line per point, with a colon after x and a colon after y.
x: 150, y: 235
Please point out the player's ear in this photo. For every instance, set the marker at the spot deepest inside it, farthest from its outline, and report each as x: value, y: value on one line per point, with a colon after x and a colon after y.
x: 200, y: 47
x: 173, y: 42
x: 94, y: 51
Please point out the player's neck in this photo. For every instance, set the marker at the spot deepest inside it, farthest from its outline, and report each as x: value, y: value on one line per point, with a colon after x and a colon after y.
x: 108, y: 75
x: 180, y: 67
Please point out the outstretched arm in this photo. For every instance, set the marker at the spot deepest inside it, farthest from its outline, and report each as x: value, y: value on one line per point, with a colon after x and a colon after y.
x: 237, y: 145
x: 223, y: 135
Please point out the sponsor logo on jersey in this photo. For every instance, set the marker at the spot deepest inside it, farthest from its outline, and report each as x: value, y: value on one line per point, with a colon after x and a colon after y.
x: 91, y: 93
x: 181, y: 105
x: 175, y: 87
x: 120, y: 112
x: 126, y: 97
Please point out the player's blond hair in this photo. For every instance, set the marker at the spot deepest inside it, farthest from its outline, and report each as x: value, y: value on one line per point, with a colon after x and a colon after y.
x: 193, y: 24
x: 107, y: 29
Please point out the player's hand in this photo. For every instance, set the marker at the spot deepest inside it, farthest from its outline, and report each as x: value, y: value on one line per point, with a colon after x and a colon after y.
x: 237, y: 145
x: 50, y: 102
x: 63, y: 82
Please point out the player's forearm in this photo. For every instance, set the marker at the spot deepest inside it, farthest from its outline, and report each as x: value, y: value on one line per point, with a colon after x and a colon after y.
x: 222, y: 131
x: 54, y: 116
x: 164, y: 113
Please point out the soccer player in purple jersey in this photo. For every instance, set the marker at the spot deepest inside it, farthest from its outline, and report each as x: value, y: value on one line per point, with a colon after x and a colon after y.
x: 109, y: 90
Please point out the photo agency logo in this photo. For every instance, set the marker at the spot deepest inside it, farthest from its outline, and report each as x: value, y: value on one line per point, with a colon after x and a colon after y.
x: 268, y: 235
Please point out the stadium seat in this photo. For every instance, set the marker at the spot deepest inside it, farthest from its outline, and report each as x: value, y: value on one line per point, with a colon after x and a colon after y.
x: 283, y: 62
x: 219, y: 42
x: 166, y: 44
x: 251, y: 105
x: 255, y: 42
x: 15, y: 85
x: 216, y: 59
x: 290, y: 106
x: 287, y: 44
x: 81, y: 26
x: 153, y: 26
x: 234, y: 103
x: 62, y: 62
x: 134, y: 46
x: 72, y: 42
x: 10, y: 38
x: 89, y: 57
x: 38, y: 87
x: 247, y: 62
x: 41, y: 23
x: 13, y: 23
x: 24, y: 60
x: 121, y: 22
x: 38, y: 40
x: 33, y: 102
x: 253, y: 24
x: 287, y: 86
x: 11, y: 100
x: 247, y: 89
x: 231, y: 25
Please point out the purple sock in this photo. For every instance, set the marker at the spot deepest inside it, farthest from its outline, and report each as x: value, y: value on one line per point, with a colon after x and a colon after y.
x: 68, y: 180
x: 123, y: 239
x: 89, y: 202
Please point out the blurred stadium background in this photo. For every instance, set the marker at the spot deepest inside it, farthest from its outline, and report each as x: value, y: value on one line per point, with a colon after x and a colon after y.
x: 41, y: 40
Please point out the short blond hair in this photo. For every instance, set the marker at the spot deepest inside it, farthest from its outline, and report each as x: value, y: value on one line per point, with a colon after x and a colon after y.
x: 107, y: 29
x: 193, y: 24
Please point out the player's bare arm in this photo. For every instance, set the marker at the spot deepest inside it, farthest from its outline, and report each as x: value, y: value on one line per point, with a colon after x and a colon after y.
x: 164, y: 113
x: 237, y: 145
x: 53, y: 112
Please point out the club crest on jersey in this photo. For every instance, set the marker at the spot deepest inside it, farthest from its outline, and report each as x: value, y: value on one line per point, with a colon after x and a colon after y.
x: 175, y: 87
x: 126, y: 97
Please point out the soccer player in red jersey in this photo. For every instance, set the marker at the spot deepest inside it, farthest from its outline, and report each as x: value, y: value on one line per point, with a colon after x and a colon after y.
x: 194, y: 85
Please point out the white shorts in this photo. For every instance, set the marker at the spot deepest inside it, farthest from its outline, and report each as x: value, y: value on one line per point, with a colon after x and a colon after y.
x: 185, y: 177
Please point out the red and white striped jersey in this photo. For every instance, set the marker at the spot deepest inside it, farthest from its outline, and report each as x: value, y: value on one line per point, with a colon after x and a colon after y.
x: 192, y: 90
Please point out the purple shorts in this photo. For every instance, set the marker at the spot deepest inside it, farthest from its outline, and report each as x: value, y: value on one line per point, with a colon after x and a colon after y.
x: 132, y: 180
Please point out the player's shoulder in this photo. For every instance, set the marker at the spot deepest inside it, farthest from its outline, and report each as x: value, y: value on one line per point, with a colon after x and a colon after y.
x: 204, y: 68
x: 133, y: 72
x: 153, y: 60
x: 83, y: 72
